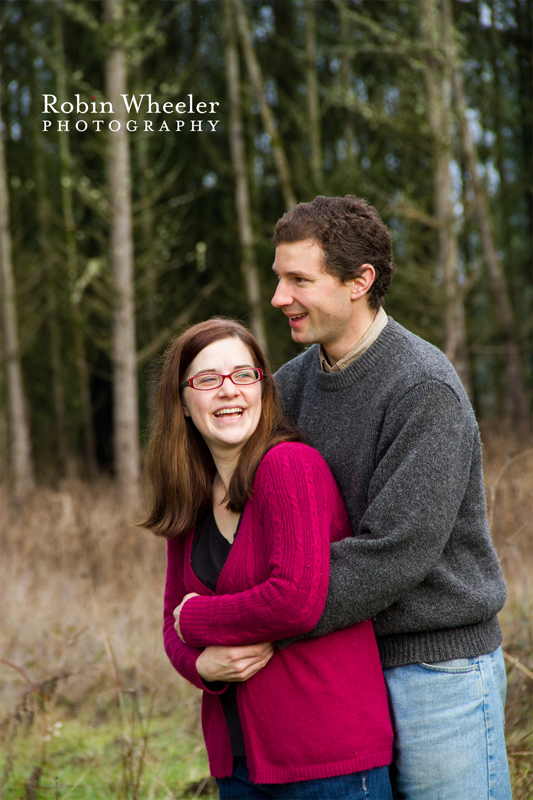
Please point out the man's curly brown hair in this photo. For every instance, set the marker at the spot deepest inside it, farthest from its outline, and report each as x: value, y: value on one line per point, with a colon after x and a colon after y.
x: 350, y: 233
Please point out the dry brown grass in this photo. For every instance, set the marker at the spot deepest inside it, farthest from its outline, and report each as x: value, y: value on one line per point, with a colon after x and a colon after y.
x: 82, y: 589
x: 81, y: 585
x: 509, y: 483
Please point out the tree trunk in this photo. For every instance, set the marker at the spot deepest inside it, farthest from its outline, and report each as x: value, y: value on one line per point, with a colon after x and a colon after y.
x: 438, y: 93
x: 51, y: 261
x: 242, y: 197
x: 67, y: 204
x: 125, y: 402
x: 521, y: 40
x: 500, y: 293
x: 349, y: 128
x: 147, y: 233
x: 56, y: 370
x: 21, y: 458
x: 498, y: 92
x: 4, y: 432
x: 313, y: 102
x: 254, y: 71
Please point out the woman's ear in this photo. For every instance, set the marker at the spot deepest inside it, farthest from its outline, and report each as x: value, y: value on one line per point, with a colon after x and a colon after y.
x: 185, y: 409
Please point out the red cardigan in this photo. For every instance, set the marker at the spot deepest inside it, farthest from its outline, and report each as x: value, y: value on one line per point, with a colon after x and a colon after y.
x: 319, y: 707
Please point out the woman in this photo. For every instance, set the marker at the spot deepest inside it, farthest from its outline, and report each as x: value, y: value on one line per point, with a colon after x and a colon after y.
x: 249, y: 512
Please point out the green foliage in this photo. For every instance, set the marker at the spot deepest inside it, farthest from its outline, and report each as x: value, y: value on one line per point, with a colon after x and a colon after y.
x: 375, y: 143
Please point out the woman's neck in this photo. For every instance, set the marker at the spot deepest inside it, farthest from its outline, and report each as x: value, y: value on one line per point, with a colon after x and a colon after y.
x: 225, y: 463
x: 225, y: 519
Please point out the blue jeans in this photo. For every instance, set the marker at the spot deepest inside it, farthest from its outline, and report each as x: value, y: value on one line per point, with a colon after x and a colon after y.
x: 448, y: 722
x: 372, y: 784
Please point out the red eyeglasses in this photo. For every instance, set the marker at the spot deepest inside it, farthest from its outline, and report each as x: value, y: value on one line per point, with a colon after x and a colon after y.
x: 212, y: 380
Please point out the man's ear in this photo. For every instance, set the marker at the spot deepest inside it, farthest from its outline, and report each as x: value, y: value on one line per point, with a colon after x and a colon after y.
x: 362, y: 284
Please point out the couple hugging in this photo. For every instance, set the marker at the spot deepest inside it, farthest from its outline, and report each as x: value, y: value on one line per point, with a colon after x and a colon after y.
x: 331, y: 586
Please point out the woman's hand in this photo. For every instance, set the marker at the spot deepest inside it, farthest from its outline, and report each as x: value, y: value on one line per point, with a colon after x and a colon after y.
x: 177, y: 612
x: 232, y: 664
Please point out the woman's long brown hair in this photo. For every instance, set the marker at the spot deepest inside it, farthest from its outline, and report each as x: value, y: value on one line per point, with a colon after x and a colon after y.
x: 178, y: 462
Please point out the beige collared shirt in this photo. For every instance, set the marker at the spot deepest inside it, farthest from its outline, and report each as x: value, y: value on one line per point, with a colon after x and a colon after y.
x: 380, y: 320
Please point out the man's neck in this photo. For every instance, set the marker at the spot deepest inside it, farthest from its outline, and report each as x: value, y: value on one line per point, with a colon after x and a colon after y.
x: 335, y: 351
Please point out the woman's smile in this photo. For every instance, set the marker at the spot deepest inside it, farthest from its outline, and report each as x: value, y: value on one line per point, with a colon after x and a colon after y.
x: 229, y: 413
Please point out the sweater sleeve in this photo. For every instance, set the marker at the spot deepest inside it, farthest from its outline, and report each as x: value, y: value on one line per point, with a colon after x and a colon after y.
x: 294, y: 521
x: 182, y: 657
x: 421, y: 474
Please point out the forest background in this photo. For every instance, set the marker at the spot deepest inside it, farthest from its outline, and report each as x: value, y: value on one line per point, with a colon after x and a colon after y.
x: 112, y: 240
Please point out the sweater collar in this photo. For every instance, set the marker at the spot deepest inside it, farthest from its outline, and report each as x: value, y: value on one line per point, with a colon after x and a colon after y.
x: 379, y: 322
x: 333, y: 381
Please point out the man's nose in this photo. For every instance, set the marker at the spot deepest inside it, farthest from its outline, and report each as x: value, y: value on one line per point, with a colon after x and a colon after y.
x: 281, y: 296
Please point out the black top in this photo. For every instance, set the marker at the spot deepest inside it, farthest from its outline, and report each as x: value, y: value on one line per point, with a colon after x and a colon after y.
x: 210, y: 550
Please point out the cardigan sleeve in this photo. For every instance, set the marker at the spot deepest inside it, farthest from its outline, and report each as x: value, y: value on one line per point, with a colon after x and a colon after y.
x: 182, y: 657
x: 295, y: 494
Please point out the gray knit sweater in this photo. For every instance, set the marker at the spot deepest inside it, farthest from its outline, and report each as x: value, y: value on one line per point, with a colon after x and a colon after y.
x: 399, y: 433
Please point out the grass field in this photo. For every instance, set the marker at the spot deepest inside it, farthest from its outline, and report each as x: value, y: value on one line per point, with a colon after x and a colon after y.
x: 89, y: 705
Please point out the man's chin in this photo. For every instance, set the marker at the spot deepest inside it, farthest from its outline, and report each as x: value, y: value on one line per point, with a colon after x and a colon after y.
x: 302, y: 337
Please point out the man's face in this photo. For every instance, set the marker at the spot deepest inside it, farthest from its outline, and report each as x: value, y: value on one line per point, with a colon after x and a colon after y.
x: 318, y: 306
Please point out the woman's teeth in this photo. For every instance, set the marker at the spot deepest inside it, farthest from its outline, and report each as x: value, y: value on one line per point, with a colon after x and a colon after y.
x: 222, y: 412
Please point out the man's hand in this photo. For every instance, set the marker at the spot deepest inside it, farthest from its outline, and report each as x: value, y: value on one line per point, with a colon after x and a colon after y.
x: 219, y: 663
x: 177, y: 612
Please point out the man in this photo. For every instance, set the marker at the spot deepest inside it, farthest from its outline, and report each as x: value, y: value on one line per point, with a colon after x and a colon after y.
x: 390, y: 416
